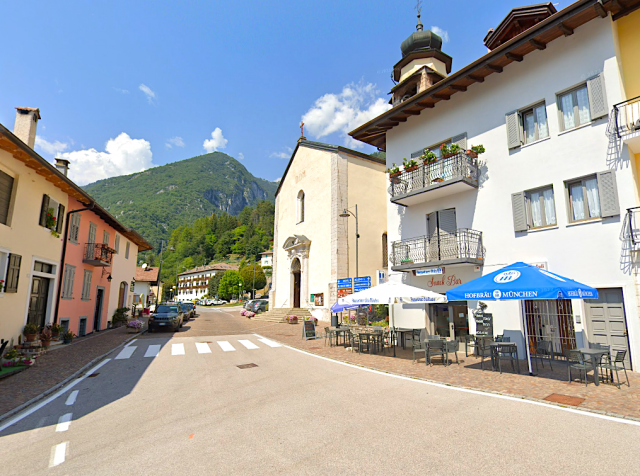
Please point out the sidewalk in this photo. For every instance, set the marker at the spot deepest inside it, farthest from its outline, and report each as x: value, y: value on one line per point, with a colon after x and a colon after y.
x: 550, y: 386
x: 57, y: 365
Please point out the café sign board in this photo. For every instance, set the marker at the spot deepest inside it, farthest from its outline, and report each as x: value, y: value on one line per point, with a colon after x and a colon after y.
x: 429, y: 272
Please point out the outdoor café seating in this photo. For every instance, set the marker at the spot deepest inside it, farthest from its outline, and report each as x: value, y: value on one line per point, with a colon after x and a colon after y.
x: 576, y: 362
x: 418, y: 344
x: 615, y: 366
x: 505, y: 350
x: 544, y: 351
x: 435, y: 347
x: 451, y: 347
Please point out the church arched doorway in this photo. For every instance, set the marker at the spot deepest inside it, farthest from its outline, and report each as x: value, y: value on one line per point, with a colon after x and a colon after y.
x: 296, y: 276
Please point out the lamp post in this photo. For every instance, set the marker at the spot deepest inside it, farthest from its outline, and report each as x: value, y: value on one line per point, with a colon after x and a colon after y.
x: 345, y: 214
x: 159, y: 268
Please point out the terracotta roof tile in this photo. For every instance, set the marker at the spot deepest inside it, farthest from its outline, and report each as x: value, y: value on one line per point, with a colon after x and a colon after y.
x: 150, y: 274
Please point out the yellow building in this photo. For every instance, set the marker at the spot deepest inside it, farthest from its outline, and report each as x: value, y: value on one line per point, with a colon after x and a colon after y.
x: 314, y: 245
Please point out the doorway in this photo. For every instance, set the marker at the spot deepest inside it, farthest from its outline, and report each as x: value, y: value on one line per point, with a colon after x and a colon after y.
x: 607, y: 322
x: 38, y: 301
x: 98, y: 310
x: 451, y: 319
x: 296, y: 272
x: 441, y: 235
x: 122, y: 295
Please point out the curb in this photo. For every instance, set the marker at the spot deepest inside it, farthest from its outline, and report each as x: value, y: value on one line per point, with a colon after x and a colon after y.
x: 61, y: 384
x: 480, y: 390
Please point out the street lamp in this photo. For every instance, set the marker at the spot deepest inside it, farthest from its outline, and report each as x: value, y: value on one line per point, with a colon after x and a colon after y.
x: 345, y: 214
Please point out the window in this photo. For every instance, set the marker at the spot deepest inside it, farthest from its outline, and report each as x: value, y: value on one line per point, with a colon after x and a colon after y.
x: 6, y: 190
x: 534, y: 123
x: 105, y: 237
x: 43, y: 267
x: 74, y: 227
x: 51, y: 214
x: 67, y: 281
x: 574, y: 108
x: 126, y: 250
x: 82, y: 327
x: 460, y: 139
x: 13, y: 273
x: 86, y: 285
x: 541, y: 207
x: 300, y: 206
x: 117, y: 244
x: 593, y: 196
x: 65, y: 325
x: 385, y: 251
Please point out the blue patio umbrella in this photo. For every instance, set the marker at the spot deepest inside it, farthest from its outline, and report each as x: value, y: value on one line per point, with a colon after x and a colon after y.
x: 521, y: 281
x: 336, y: 308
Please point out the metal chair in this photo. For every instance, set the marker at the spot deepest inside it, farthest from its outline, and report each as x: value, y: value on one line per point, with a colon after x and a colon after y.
x: 435, y: 347
x: 612, y: 366
x: 484, y: 349
x: 544, y: 350
x: 328, y: 334
x: 503, y: 352
x: 418, y: 344
x: 576, y: 361
x: 451, y: 346
x: 499, y: 338
x: 469, y: 341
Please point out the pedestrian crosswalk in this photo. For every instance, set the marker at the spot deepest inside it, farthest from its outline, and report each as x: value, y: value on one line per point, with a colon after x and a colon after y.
x: 155, y: 350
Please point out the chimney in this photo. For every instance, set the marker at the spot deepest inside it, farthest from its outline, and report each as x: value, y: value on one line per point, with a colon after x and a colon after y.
x: 25, y: 126
x: 63, y: 166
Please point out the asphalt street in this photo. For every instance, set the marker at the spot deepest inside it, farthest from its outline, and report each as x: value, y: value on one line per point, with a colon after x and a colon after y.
x: 189, y: 404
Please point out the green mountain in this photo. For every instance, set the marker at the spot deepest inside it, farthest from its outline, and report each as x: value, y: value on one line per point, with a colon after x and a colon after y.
x: 159, y: 200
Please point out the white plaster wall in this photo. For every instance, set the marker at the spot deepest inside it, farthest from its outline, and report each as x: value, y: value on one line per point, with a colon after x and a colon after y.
x: 122, y: 269
x: 591, y: 252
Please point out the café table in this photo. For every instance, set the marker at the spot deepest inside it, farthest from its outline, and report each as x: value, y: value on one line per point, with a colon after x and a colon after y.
x: 512, y: 347
x: 403, y: 334
x: 340, y: 330
x: 595, y: 356
x: 371, y: 336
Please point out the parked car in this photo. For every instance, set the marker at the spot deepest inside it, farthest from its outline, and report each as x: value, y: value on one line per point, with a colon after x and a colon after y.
x: 194, y: 312
x: 187, y: 309
x: 218, y: 302
x: 258, y: 306
x: 166, y: 315
x: 248, y: 303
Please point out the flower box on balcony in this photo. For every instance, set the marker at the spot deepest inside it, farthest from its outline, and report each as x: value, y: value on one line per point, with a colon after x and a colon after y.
x: 411, y: 169
x: 406, y: 261
x: 437, y: 180
x: 472, y: 154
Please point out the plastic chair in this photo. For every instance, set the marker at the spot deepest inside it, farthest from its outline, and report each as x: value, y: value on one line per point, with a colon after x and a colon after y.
x: 576, y: 361
x: 612, y: 366
x: 544, y: 350
x: 451, y: 346
x: 417, y: 343
x: 435, y: 347
x: 328, y: 334
x: 484, y: 349
x: 506, y: 352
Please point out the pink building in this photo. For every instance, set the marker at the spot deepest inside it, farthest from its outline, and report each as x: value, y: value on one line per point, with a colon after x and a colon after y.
x: 93, y: 238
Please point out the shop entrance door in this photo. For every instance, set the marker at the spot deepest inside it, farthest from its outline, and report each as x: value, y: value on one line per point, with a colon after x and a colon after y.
x: 606, y: 321
x: 451, y: 319
x: 38, y: 301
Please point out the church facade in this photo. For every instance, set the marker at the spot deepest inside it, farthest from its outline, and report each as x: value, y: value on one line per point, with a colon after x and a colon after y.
x: 314, y: 245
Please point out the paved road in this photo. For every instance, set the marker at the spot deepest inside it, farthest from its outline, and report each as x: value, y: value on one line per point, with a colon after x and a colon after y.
x: 181, y: 405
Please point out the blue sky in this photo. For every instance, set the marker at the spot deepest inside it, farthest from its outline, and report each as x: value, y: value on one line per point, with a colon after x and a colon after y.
x: 126, y: 85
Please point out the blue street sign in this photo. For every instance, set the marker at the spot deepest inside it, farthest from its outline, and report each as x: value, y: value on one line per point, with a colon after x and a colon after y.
x: 362, y: 280
x: 345, y: 283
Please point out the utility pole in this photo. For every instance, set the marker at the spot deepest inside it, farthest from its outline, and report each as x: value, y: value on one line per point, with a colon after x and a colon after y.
x: 345, y: 214
x: 253, y: 288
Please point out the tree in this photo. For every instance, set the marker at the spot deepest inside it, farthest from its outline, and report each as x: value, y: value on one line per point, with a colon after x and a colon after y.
x: 214, y: 284
x: 230, y: 284
x: 246, y: 274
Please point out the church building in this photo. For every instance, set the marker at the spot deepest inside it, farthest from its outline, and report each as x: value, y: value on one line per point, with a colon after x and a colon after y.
x: 330, y: 224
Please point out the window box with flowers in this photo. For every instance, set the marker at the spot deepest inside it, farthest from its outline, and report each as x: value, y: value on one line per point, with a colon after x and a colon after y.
x: 135, y: 325
x: 449, y: 150
x: 394, y: 171
x: 409, y: 165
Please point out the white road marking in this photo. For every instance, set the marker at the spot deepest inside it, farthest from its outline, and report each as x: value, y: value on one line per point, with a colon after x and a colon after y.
x: 248, y: 344
x: 63, y: 422
x: 270, y: 343
x: 58, y: 454
x: 203, y: 348
x: 37, y: 407
x: 152, y: 350
x: 226, y: 346
x: 132, y: 341
x: 177, y: 349
x: 126, y: 352
x: 72, y: 398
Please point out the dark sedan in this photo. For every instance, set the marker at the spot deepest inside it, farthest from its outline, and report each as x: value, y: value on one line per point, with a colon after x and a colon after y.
x: 166, y: 316
x: 258, y: 306
x: 187, y: 309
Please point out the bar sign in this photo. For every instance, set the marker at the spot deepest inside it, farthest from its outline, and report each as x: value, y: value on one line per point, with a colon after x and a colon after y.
x: 428, y: 272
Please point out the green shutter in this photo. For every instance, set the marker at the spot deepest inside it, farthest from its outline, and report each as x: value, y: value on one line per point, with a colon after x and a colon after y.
x: 13, y: 273
x: 60, y: 220
x: 43, y: 210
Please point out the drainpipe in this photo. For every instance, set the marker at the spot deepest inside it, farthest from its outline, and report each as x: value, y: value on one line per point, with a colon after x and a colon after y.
x: 64, y: 253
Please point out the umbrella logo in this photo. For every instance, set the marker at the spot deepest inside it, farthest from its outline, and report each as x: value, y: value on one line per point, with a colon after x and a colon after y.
x: 497, y: 294
x: 507, y: 277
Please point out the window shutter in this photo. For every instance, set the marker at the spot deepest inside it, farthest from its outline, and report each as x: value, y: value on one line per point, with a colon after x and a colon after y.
x: 461, y: 140
x: 519, y: 212
x: 43, y: 210
x: 597, y: 96
x: 608, y: 191
x: 60, y: 220
x: 447, y: 221
x: 13, y: 273
x: 513, y: 130
x: 6, y: 187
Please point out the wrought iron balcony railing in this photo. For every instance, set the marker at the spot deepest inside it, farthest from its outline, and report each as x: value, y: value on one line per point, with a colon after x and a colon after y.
x: 457, y: 168
x: 98, y: 254
x: 463, y: 246
x: 633, y: 226
x: 626, y: 117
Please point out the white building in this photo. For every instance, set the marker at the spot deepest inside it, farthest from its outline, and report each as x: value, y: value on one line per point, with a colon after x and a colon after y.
x: 266, y: 259
x: 551, y: 188
x: 147, y: 287
x: 193, y: 283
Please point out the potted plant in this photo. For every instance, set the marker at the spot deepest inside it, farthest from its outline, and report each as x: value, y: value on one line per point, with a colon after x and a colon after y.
x: 393, y: 172
x: 51, y: 222
x: 55, y: 329
x: 449, y: 150
x: 135, y: 325
x: 428, y: 157
x: 293, y: 319
x: 475, y: 151
x: 406, y: 261
x: 250, y: 314
x: 68, y: 336
x: 437, y: 179
x: 30, y: 332
x: 45, y: 337
x: 409, y: 166
x: 10, y: 358
x: 119, y: 317
x: 314, y: 319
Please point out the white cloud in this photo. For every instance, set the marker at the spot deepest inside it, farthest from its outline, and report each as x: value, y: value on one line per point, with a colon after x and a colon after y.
x: 123, y: 155
x: 343, y: 112
x: 444, y: 34
x: 151, y: 96
x: 278, y: 179
x: 177, y: 141
x: 216, y: 142
x: 282, y: 155
x: 124, y: 91
x: 240, y: 156
x: 51, y: 148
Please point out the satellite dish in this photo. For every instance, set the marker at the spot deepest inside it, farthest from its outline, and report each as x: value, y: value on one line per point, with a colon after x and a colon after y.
x: 144, y: 265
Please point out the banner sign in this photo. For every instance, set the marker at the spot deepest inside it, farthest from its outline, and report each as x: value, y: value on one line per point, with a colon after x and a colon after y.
x: 345, y: 283
x: 344, y: 292
x: 428, y: 272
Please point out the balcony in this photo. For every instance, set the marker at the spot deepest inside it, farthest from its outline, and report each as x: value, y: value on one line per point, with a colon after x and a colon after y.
x: 626, y: 122
x: 98, y: 254
x: 455, y: 174
x: 440, y: 249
